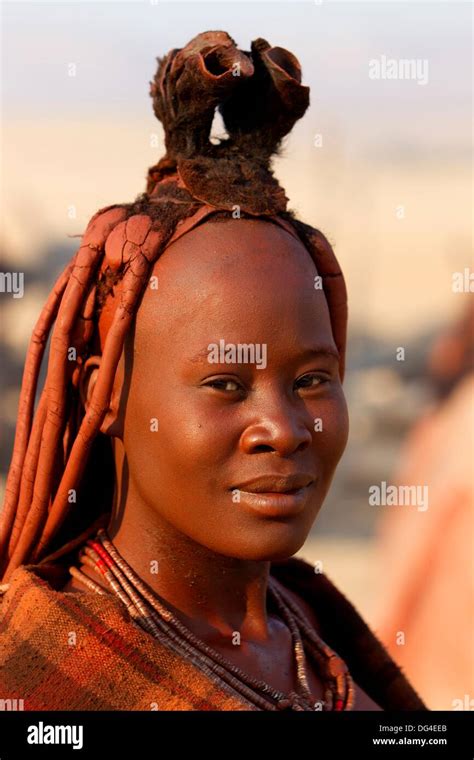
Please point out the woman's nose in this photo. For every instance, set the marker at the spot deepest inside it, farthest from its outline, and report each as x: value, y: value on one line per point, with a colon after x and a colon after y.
x: 282, y: 430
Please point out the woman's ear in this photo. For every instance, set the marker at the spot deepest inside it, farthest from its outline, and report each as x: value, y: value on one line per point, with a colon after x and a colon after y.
x: 111, y: 424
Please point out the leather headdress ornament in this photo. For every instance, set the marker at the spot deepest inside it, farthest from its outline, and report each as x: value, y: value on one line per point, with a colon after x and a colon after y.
x: 260, y: 96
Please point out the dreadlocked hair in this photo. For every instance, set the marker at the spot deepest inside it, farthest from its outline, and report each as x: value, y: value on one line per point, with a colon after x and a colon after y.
x: 260, y: 96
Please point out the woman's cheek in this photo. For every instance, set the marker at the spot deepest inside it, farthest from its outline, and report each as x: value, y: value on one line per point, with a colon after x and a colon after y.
x: 331, y: 428
x: 341, y: 431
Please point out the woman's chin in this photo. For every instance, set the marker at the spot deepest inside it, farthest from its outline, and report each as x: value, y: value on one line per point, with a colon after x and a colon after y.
x: 280, y: 545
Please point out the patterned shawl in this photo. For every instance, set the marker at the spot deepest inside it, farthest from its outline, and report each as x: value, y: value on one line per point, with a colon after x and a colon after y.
x: 82, y: 651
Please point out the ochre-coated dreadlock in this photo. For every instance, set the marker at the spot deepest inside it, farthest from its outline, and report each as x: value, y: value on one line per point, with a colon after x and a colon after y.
x: 94, y: 301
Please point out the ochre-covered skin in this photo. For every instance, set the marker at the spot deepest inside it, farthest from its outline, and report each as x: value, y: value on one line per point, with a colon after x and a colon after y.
x: 245, y: 282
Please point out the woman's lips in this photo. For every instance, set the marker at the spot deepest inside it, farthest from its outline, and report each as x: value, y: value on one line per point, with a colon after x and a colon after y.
x: 276, y: 496
x: 276, y: 504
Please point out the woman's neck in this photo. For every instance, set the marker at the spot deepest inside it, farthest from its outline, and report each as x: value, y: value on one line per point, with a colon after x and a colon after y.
x: 214, y: 595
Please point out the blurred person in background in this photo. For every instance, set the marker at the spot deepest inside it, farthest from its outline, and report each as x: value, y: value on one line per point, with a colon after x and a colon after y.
x: 427, y: 555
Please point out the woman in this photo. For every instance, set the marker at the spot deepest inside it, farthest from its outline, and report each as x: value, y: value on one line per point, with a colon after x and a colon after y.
x: 189, y: 428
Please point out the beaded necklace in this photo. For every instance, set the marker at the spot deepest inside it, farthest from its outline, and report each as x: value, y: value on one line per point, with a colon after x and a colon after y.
x: 151, y: 614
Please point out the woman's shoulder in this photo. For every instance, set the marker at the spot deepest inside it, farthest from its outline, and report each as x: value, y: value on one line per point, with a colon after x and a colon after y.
x: 82, y: 651
x: 340, y: 625
x: 362, y: 699
x: 48, y: 638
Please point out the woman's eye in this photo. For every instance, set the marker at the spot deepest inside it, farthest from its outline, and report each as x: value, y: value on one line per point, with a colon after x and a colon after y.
x: 311, y: 381
x: 225, y: 385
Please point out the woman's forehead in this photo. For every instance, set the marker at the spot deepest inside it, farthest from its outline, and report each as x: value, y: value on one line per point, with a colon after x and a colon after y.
x: 231, y: 247
x: 244, y: 274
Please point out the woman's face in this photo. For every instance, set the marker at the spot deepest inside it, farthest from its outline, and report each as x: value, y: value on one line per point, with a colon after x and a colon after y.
x: 237, y: 456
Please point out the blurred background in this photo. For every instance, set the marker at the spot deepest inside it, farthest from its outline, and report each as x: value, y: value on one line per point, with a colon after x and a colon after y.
x: 382, y: 167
